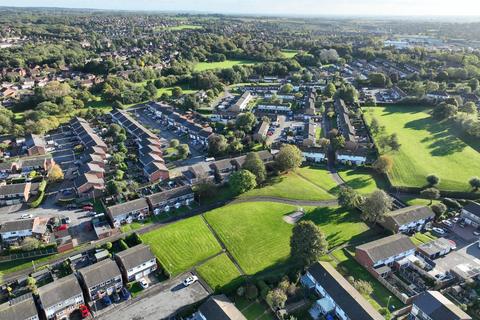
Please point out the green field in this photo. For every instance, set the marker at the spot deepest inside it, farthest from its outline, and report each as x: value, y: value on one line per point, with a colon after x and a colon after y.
x: 361, y: 179
x: 203, y: 66
x: 291, y: 186
x: 428, y: 146
x: 220, y: 273
x: 184, y: 27
x: 168, y: 91
x: 182, y: 245
x: 289, y: 53
x: 319, y: 176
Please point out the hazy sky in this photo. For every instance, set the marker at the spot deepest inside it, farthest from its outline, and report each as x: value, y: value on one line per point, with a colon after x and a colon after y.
x: 273, y: 7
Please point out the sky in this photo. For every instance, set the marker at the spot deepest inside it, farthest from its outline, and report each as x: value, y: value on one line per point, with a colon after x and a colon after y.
x: 276, y: 7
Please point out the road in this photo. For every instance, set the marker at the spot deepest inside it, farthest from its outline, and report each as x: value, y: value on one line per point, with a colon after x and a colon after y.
x: 159, y: 302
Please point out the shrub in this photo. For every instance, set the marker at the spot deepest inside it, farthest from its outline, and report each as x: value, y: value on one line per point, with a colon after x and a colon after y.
x: 123, y: 244
x: 241, y: 291
x: 264, y: 289
x: 251, y: 292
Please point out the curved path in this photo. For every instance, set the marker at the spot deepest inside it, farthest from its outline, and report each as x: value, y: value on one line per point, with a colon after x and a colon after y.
x: 293, y: 202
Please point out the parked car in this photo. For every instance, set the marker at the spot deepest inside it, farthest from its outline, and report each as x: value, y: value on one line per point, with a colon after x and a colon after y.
x: 84, y: 311
x: 455, y: 219
x: 106, y: 300
x: 190, y: 280
x: 116, y: 297
x: 439, y: 231
x: 476, y: 233
x: 26, y: 216
x: 447, y: 223
x: 66, y: 220
x: 461, y: 224
x: 125, y: 293
x: 143, y: 283
x: 87, y: 208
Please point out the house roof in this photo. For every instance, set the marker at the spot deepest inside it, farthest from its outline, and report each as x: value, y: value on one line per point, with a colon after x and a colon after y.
x: 473, y: 208
x: 438, y: 307
x: 16, y: 188
x: 24, y: 309
x: 135, y: 256
x: 100, y: 272
x: 17, y: 225
x: 220, y: 308
x: 160, y: 197
x: 223, y: 164
x: 343, y: 293
x: 407, y: 215
x: 59, y: 291
x: 128, y: 207
x: 436, y: 246
x: 153, y: 167
x: 34, y: 140
x: 387, y: 247
x: 265, y: 155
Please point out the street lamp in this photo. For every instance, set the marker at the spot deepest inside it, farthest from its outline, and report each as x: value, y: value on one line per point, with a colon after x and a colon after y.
x: 388, y: 302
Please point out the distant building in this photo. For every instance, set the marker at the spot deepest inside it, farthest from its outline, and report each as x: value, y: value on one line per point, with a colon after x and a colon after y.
x: 408, y: 219
x: 128, y: 211
x: 471, y: 214
x: 241, y: 104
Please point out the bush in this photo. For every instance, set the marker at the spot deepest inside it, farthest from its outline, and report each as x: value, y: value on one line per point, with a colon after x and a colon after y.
x: 123, y: 244
x: 264, y: 289
x: 452, y: 204
x: 241, y: 291
x: 251, y: 291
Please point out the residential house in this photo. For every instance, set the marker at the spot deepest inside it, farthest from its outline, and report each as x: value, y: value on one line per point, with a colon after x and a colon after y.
x: 266, y: 156
x: 86, y: 135
x: 241, y: 104
x: 18, y: 229
x: 136, y: 262
x: 353, y: 153
x: 408, y: 219
x: 35, y: 145
x: 164, y: 201
x: 92, y: 169
x: 437, y: 96
x: 261, y: 133
x: 436, y: 248
x: 310, y: 137
x: 17, y: 193
x: 313, y: 154
x: 223, y: 169
x: 384, y: 252
x: 89, y: 184
x: 6, y: 168
x: 471, y: 214
x: 60, y: 298
x: 218, y: 308
x: 24, y: 309
x: 338, y: 296
x: 40, y: 164
x: 432, y: 305
x: 156, y: 171
x: 238, y: 162
x: 100, y: 279
x: 128, y: 211
x: 199, y: 172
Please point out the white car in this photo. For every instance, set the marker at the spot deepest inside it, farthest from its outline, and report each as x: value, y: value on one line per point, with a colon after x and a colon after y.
x: 190, y: 280
x: 26, y: 216
x: 439, y: 231
x: 143, y: 283
x: 447, y: 223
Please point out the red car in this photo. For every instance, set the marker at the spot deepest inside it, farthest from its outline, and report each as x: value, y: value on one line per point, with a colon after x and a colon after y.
x: 84, y: 311
x: 62, y: 227
x: 87, y: 208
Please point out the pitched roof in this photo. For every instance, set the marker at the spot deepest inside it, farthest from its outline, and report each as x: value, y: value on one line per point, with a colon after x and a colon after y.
x: 473, y: 208
x: 100, y: 272
x: 135, y: 256
x: 33, y: 140
x: 387, y: 247
x: 220, y: 308
x: 343, y: 293
x: 128, y: 207
x: 438, y: 307
x: 15, y: 188
x: 160, y: 197
x: 25, y: 309
x: 59, y: 291
x: 408, y: 214
x: 17, y: 225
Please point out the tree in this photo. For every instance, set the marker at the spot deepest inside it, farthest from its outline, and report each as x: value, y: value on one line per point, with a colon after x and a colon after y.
x: 242, y: 181
x: 330, y: 90
x: 276, y: 299
x: 349, y: 198
x: 217, y: 144
x: 364, y: 287
x: 374, y: 125
x: 475, y: 183
x: 183, y: 150
x: 255, y: 165
x: 174, y: 143
x: 383, y: 164
x: 177, y: 92
x: 376, y: 205
x: 433, y: 180
x: 430, y: 193
x: 439, y: 209
x: 29, y: 244
x: 108, y: 245
x: 307, y: 243
x: 470, y: 108
x: 245, y: 121
x: 377, y: 79
x: 55, y: 174
x: 444, y: 111
x: 288, y: 158
x: 393, y: 142
x: 251, y: 291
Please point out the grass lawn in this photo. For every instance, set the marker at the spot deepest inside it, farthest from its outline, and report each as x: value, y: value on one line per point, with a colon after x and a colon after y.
x: 168, y: 90
x: 412, y: 201
x: 220, y: 273
x: 289, y: 53
x: 252, y: 310
x: 291, y: 186
x: 361, y: 179
x: 182, y: 245
x: 320, y: 176
x: 184, y: 27
x: 346, y: 264
x: 428, y: 146
x: 421, y: 238
x: 203, y: 66
x: 98, y: 103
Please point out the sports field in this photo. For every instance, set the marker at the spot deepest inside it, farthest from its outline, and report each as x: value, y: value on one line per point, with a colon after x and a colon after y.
x: 428, y: 146
x: 203, y: 66
x: 220, y: 273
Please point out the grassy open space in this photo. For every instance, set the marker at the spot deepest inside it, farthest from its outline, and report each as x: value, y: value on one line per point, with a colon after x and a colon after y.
x: 258, y: 237
x: 203, y: 66
x: 184, y: 27
x: 289, y: 53
x: 346, y: 264
x: 361, y: 179
x: 291, y: 186
x: 252, y: 310
x: 220, y: 273
x: 168, y: 90
x: 181, y: 245
x: 428, y: 146
x: 319, y: 176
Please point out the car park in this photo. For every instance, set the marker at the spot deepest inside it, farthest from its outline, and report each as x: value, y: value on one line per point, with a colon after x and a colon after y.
x: 447, y: 223
x: 439, y: 231
x: 190, y: 280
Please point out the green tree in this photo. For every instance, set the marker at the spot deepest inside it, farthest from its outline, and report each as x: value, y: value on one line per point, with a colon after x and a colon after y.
x: 177, y: 92
x: 183, y: 151
x: 307, y: 243
x: 174, y: 143
x: 433, y: 180
x: 242, y: 181
x: 245, y: 121
x: 383, y: 164
x: 349, y: 198
x: 439, y: 209
x: 217, y: 144
x: 330, y: 90
x: 444, y: 111
x: 276, y: 299
x: 430, y: 193
x: 255, y: 165
x: 288, y: 158
x: 376, y: 205
x: 474, y: 183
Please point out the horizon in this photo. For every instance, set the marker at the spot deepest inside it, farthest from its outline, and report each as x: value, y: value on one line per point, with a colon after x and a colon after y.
x: 302, y: 8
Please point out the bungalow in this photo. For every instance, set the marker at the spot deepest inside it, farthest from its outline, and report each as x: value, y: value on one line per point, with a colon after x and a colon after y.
x: 17, y: 193
x: 100, y: 279
x: 432, y: 305
x: 128, y: 211
x: 24, y: 309
x: 353, y: 152
x: 218, y: 308
x: 471, y: 214
x: 344, y: 123
x: 35, y: 145
x: 338, y: 296
x: 165, y: 200
x: 437, y: 95
x: 384, y: 252
x: 408, y: 219
x: 60, y: 298
x: 136, y: 262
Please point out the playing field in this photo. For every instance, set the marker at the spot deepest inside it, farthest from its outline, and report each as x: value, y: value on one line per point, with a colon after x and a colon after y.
x: 181, y: 245
x: 319, y: 176
x: 220, y: 273
x: 427, y: 147
x: 203, y: 66
x: 361, y: 179
x: 183, y: 27
x: 289, y: 53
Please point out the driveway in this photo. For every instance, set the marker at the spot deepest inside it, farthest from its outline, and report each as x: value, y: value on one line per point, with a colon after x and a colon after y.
x: 159, y: 302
